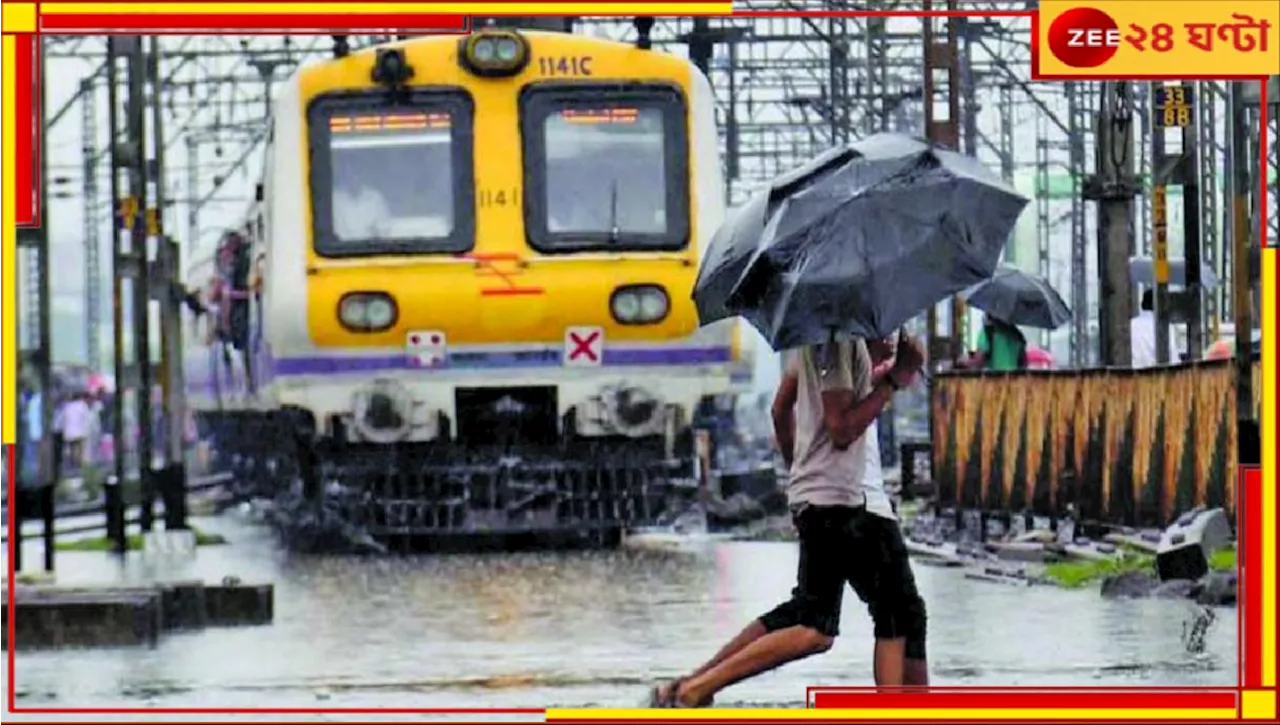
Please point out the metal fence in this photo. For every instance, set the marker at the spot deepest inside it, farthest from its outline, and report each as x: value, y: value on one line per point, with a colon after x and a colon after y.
x: 73, y: 519
x: 1125, y: 446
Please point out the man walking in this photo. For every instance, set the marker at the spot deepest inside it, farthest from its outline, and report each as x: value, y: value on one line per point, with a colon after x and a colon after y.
x: 825, y: 419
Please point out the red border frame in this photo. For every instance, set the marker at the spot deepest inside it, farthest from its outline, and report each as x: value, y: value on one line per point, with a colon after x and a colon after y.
x: 311, y: 24
x: 1117, y: 698
x: 27, y: 176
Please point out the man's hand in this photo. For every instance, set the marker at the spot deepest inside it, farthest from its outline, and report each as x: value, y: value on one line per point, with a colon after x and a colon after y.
x: 907, y: 361
x: 880, y: 350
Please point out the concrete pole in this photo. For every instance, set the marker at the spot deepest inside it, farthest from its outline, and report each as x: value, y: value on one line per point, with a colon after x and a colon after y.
x: 1114, y: 187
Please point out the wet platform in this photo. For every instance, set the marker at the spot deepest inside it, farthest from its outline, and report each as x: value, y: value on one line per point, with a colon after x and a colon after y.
x: 120, y: 616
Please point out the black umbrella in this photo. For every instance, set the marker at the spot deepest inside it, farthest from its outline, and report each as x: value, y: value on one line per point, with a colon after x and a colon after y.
x: 875, y: 235
x: 737, y: 239
x: 1021, y: 299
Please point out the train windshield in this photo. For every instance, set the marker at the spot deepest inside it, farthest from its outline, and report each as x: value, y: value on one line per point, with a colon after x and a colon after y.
x: 606, y: 169
x: 391, y: 179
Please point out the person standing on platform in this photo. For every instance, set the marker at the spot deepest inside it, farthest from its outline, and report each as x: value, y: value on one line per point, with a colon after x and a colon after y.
x: 1142, y: 335
x: 77, y: 425
x: 1001, y: 347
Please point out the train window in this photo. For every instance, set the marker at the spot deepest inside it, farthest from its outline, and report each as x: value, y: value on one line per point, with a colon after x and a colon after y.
x: 606, y: 167
x: 392, y: 176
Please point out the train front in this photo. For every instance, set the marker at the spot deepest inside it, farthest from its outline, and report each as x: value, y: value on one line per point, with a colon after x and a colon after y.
x: 499, y: 235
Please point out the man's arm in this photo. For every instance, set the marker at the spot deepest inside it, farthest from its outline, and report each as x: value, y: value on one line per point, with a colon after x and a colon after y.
x: 784, y: 415
x: 845, y: 414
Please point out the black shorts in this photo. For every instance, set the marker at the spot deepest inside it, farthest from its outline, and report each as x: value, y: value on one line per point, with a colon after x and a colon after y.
x: 841, y: 544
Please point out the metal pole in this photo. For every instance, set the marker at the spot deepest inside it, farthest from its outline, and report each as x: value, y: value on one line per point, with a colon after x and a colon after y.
x: 114, y: 502
x: 1078, y: 123
x: 1161, y: 171
x: 165, y: 292
x: 192, y: 241
x: 46, y: 336
x: 1207, y: 180
x: 942, y: 56
x: 954, y: 88
x: 136, y: 130
x: 700, y: 50
x: 732, y: 142
x: 1189, y: 173
x: 1114, y: 188
x: 34, y: 311
x: 89, y: 189
x: 1241, y: 181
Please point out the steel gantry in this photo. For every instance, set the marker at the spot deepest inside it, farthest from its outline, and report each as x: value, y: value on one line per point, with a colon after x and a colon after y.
x: 214, y: 99
x: 786, y: 88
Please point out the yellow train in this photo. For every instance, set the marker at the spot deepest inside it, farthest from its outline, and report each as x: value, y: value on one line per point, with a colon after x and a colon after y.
x: 462, y: 297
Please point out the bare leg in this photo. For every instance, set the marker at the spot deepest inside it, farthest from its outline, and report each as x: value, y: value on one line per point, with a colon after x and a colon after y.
x: 749, y: 634
x: 889, y: 662
x: 753, y: 631
x: 916, y: 675
x: 763, y: 654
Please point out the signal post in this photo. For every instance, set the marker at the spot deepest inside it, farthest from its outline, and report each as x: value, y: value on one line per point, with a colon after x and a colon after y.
x: 1114, y: 188
x: 942, y: 79
x: 145, y: 266
x: 1174, y: 107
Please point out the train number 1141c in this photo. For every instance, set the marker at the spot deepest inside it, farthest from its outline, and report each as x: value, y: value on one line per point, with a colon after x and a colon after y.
x: 565, y: 66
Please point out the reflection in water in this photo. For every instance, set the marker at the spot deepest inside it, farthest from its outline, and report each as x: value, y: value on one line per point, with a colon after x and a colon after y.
x: 582, y: 630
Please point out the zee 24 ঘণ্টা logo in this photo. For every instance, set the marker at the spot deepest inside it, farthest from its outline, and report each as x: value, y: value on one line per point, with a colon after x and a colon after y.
x: 1088, y: 37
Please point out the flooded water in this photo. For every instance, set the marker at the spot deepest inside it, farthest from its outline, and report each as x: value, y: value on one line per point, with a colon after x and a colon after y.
x: 579, y: 630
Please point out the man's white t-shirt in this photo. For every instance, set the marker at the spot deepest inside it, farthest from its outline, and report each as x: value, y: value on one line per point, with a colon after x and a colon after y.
x: 1142, y: 341
x: 821, y: 474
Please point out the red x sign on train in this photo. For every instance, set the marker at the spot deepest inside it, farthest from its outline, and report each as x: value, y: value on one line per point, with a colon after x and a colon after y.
x: 583, y: 346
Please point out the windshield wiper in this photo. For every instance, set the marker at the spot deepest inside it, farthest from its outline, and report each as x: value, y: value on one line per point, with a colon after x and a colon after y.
x: 614, y: 232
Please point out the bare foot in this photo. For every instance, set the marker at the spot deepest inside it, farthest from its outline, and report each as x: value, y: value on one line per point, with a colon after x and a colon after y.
x: 674, y: 693
x: 682, y: 697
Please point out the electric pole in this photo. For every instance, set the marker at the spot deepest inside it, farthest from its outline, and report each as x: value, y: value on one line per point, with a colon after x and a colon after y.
x: 1114, y: 188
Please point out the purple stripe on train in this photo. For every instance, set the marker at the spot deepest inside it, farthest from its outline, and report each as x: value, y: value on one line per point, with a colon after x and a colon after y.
x: 330, y: 365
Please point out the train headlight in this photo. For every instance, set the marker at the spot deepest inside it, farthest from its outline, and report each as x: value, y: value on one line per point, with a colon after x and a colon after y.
x: 391, y: 68
x: 493, y: 53
x: 367, y: 311
x: 642, y: 304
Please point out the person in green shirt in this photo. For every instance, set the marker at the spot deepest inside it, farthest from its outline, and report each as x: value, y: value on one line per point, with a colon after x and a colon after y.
x: 1001, y: 347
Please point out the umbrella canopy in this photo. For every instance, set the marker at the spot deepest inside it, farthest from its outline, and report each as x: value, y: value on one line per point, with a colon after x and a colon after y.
x: 100, y: 383
x: 861, y: 240
x: 1142, y: 270
x: 1038, y: 358
x: 1021, y: 299
x: 736, y: 241
x: 1223, y: 349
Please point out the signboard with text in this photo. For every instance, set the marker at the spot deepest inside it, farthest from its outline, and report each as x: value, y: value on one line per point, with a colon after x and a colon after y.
x: 1145, y: 40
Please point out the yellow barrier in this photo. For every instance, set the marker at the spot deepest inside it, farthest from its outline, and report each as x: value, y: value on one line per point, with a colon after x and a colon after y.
x: 1131, y: 446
